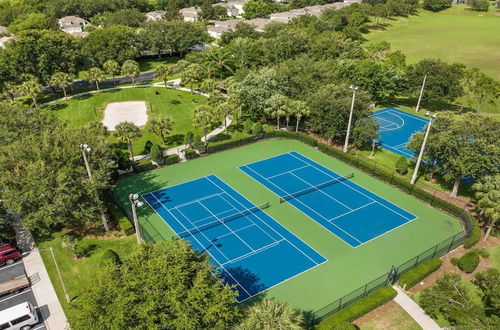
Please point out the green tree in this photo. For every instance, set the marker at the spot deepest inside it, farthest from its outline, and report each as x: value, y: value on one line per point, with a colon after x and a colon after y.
x: 163, y: 72
x: 207, y: 11
x: 96, y: 75
x: 127, y: 132
x: 479, y: 5
x: 156, y: 154
x: 114, y: 43
x: 256, y: 8
x: 192, y: 75
x: 62, y: 80
x: 437, y: 5
x: 208, y: 85
x: 487, y: 195
x: 175, y: 288
x: 489, y: 283
x: 272, y: 314
x: 131, y: 17
x: 276, y: 105
x: 299, y: 109
x: 216, y: 97
x: 204, y: 118
x: 245, y: 52
x: 31, y: 88
x: 402, y: 165
x: 130, y: 68
x: 223, y: 111
x: 6, y: 222
x: 364, y: 132
x: 33, y: 21
x: 485, y: 89
x: 220, y: 61
x: 162, y: 127
x: 112, y: 68
x: 462, y: 145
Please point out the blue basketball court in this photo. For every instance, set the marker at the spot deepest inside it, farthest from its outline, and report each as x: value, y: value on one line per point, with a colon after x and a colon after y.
x: 346, y: 209
x: 396, y: 128
x: 248, y: 247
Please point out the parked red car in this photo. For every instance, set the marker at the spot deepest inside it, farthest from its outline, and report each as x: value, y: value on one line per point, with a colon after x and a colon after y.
x: 9, y: 253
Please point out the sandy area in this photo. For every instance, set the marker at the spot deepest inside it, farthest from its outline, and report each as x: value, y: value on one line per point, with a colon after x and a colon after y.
x: 117, y: 112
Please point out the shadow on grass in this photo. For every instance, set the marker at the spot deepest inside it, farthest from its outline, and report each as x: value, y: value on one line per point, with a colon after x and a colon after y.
x: 174, y: 140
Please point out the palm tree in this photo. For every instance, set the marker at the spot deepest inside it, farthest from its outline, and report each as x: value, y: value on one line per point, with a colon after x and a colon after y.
x: 219, y: 60
x: 111, y: 67
x: 208, y: 85
x: 127, y: 132
x: 62, y: 80
x: 223, y: 110
x: 163, y: 71
x: 30, y: 87
x: 95, y: 75
x: 161, y: 127
x: 192, y: 75
x: 203, y: 118
x: 299, y: 109
x: 130, y: 68
x: 270, y: 314
x: 276, y: 103
x: 487, y: 194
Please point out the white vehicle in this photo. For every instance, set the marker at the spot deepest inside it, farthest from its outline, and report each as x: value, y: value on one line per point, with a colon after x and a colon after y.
x: 19, y: 317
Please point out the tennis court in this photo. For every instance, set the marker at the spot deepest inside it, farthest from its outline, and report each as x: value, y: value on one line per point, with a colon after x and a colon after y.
x: 396, y: 128
x: 346, y: 209
x: 249, y: 248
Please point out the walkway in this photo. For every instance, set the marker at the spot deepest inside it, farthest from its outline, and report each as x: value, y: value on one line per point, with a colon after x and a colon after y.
x: 43, y: 290
x: 414, y: 310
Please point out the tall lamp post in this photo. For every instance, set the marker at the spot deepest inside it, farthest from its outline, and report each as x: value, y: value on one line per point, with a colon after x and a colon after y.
x: 354, y: 89
x: 421, y: 153
x: 85, y: 150
x: 136, y: 203
x: 421, y: 93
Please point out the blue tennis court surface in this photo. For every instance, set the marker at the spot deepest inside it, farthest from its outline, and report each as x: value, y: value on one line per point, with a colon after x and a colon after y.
x: 396, y: 128
x: 251, y: 249
x: 346, y: 209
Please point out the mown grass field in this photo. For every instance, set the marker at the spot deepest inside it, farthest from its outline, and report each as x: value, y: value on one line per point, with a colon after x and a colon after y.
x: 454, y: 35
x: 88, y: 108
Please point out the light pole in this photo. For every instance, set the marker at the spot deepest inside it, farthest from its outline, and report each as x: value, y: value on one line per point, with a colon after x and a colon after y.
x: 86, y: 149
x: 421, y: 153
x: 421, y: 93
x: 136, y: 203
x: 354, y: 89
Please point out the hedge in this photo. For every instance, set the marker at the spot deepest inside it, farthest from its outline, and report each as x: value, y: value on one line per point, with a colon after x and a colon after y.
x: 475, y: 235
x: 190, y: 153
x: 359, y: 308
x: 172, y: 159
x: 469, y: 261
x: 110, y: 257
x: 414, y: 276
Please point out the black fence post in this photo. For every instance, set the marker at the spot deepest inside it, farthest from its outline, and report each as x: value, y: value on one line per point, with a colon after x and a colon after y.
x: 452, y: 241
x: 435, y: 250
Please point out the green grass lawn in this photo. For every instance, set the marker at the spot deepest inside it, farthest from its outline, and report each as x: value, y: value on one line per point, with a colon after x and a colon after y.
x: 453, y: 35
x: 78, y: 274
x: 395, y: 319
x: 90, y: 107
x: 495, y: 257
x: 348, y: 268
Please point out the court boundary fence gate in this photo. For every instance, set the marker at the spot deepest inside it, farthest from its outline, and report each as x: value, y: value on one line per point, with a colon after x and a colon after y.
x: 435, y: 198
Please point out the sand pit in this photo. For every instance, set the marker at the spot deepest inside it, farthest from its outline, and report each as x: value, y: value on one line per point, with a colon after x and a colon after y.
x: 117, y: 112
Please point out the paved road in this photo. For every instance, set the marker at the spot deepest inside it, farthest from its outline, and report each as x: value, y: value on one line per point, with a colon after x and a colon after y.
x: 12, y: 271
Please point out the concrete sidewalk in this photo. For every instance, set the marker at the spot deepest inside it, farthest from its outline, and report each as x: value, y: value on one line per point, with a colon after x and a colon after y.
x: 44, y: 292
x: 414, y: 310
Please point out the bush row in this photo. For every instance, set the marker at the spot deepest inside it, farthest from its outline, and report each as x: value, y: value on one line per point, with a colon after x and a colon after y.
x: 476, y: 232
x: 172, y: 159
x: 469, y: 261
x: 414, y: 276
x: 190, y: 153
x: 359, y: 308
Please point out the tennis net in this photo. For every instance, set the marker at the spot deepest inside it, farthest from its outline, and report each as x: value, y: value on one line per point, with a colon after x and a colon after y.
x: 239, y: 214
x: 288, y: 197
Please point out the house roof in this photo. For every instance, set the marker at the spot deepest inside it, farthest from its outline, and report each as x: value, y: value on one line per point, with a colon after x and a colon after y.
x: 259, y: 23
x: 228, y: 23
x: 73, y: 20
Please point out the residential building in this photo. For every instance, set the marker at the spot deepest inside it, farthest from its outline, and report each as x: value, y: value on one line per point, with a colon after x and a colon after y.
x: 72, y: 24
x: 155, y: 15
x: 238, y: 4
x: 231, y: 10
x: 190, y: 14
x: 259, y: 23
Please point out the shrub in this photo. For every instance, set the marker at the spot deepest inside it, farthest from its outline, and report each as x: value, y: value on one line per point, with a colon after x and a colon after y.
x: 359, y: 308
x: 257, y: 129
x: 172, y: 159
x: 417, y: 274
x: 475, y: 235
x: 402, y: 165
x: 190, y: 153
x: 80, y: 250
x: 110, y: 257
x: 483, y: 252
x: 156, y: 154
x: 437, y: 5
x: 454, y: 261
x: 344, y: 326
x: 247, y: 126
x: 469, y: 261
x: 198, y: 144
x: 188, y: 138
x: 479, y: 5
x: 175, y: 101
x: 147, y: 146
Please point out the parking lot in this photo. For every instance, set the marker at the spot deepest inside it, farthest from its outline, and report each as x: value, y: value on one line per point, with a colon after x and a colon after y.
x: 6, y: 301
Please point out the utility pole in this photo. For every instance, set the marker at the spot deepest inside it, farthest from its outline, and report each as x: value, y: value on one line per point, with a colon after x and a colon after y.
x: 421, y: 153
x: 421, y: 93
x: 354, y: 89
x: 136, y: 203
x: 85, y: 149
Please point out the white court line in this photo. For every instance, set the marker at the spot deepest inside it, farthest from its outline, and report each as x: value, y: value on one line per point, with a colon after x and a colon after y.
x: 197, y: 200
x: 353, y: 210
x: 259, y: 250
x: 407, y: 153
x: 319, y: 169
x: 210, y: 217
x: 400, y: 145
x: 392, y: 111
x: 321, y: 190
x: 262, y: 221
x: 206, y: 208
x: 237, y: 230
x: 175, y: 185
x: 289, y: 171
x: 296, y: 199
x: 248, y: 293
